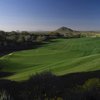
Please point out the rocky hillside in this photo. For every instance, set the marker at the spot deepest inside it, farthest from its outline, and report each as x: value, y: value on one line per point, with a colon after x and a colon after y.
x: 68, y: 33
x: 64, y: 30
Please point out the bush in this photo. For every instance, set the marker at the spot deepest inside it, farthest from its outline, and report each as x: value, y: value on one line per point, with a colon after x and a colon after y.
x: 5, y: 96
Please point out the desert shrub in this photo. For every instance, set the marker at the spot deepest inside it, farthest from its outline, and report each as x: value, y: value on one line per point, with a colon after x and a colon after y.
x: 54, y: 35
x: 5, y: 96
x: 40, y: 38
x: 90, y: 90
x: 91, y: 84
x: 42, y: 86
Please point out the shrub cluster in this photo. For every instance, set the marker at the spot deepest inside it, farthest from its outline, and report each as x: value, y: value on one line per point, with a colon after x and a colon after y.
x: 26, y: 40
x: 46, y: 86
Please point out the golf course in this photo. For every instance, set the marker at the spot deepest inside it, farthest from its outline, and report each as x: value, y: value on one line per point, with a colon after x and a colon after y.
x: 59, y: 56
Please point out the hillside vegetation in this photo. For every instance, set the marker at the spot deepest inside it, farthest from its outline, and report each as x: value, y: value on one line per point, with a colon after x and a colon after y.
x: 61, y: 56
x: 22, y: 40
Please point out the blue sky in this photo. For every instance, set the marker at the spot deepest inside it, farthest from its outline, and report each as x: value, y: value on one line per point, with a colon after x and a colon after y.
x: 36, y: 15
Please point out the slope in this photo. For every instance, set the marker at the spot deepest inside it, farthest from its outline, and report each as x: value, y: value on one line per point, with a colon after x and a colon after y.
x: 62, y: 56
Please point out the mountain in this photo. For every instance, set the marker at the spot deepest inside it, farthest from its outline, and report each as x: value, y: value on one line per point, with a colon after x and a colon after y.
x: 64, y: 30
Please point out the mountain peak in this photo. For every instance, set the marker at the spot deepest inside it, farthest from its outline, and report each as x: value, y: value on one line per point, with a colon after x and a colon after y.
x: 64, y: 30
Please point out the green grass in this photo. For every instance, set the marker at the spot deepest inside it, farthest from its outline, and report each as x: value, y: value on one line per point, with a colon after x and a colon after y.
x: 61, y: 57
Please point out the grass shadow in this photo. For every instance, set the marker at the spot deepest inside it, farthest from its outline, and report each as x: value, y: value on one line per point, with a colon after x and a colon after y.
x: 79, y: 78
x: 9, y: 49
x: 5, y: 74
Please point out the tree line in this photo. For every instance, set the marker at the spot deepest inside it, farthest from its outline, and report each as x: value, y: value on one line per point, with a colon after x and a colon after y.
x: 23, y: 40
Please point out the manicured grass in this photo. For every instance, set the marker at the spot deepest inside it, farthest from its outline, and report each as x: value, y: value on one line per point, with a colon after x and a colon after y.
x: 61, y: 56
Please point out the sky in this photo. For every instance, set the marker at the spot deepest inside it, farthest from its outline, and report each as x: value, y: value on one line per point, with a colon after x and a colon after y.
x: 43, y: 15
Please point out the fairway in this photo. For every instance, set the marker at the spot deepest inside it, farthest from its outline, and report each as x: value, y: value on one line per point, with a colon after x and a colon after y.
x: 61, y: 56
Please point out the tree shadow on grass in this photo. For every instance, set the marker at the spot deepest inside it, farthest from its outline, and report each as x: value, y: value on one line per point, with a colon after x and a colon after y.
x: 5, y: 74
x: 79, y: 78
x: 9, y: 49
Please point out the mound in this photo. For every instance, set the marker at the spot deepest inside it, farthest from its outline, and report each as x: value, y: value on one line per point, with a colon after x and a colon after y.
x: 67, y: 32
x: 64, y: 30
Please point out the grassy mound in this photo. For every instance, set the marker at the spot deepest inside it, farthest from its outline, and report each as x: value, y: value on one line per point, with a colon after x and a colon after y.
x: 62, y: 56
